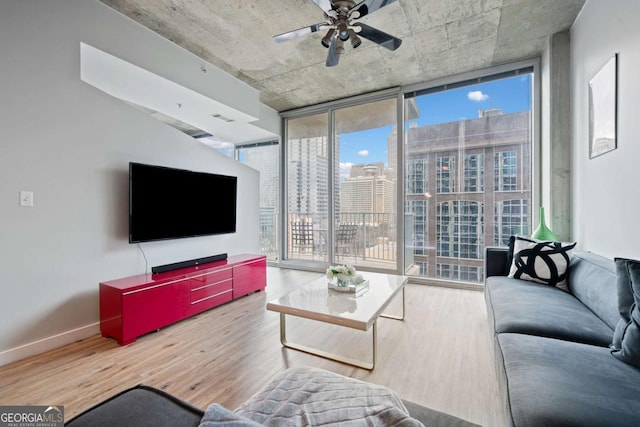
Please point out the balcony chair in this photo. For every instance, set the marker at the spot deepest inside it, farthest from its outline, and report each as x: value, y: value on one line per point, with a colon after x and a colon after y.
x: 346, y: 240
x: 302, y: 236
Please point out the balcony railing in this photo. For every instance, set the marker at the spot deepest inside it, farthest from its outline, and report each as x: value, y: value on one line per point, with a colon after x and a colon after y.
x: 361, y: 238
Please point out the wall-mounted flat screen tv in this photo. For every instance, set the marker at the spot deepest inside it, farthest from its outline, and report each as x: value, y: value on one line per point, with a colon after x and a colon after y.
x: 167, y: 203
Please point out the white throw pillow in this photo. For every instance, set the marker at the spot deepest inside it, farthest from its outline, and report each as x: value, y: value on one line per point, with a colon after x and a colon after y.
x: 542, y: 262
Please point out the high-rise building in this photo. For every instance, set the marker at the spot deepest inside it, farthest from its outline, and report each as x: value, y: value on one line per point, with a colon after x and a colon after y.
x: 367, y: 190
x: 308, y: 191
x: 392, y: 151
x: 265, y: 159
x: 467, y: 185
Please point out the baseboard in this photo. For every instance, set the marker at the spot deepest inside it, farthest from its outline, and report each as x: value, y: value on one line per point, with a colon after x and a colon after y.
x: 49, y: 343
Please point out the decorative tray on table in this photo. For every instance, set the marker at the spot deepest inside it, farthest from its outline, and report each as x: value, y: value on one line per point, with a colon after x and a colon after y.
x: 352, y: 288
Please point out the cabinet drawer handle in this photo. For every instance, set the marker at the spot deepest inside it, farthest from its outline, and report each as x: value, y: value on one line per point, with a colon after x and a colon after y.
x: 211, y: 284
x: 211, y: 296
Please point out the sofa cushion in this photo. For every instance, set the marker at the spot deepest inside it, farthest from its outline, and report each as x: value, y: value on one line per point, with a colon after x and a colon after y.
x: 140, y: 406
x: 530, y: 308
x: 542, y: 262
x: 629, y: 349
x: 592, y: 279
x: 560, y: 383
x: 625, y: 299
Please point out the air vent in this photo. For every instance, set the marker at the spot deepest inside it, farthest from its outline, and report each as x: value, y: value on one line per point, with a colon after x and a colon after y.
x: 221, y: 117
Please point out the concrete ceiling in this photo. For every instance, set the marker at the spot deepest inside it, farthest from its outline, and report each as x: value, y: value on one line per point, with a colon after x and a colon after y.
x: 440, y: 38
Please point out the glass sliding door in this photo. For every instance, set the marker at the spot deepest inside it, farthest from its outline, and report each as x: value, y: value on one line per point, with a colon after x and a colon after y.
x: 265, y: 158
x: 468, y: 173
x: 365, y: 222
x: 307, y: 202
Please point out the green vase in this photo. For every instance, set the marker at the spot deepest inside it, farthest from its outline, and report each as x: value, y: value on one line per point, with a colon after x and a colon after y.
x: 543, y: 232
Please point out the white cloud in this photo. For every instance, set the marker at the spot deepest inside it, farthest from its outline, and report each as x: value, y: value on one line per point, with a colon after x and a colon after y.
x: 224, y: 147
x: 214, y: 142
x: 477, y: 96
x: 363, y: 153
x: 345, y: 170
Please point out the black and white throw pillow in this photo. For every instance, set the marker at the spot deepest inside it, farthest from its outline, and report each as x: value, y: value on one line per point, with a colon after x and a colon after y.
x: 542, y: 262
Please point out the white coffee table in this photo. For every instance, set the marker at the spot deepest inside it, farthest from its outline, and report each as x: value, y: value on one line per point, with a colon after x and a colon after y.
x: 316, y: 301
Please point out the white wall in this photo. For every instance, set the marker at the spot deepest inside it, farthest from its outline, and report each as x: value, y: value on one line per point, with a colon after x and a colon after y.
x: 70, y: 144
x: 605, y: 189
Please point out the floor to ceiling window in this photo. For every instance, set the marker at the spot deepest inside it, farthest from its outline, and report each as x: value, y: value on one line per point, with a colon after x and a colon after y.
x: 307, y: 186
x: 468, y: 172
x: 365, y: 223
x: 463, y: 174
x: 341, y: 179
x: 265, y: 158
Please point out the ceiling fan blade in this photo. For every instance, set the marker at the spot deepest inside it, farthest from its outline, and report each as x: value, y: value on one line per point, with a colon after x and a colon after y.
x: 299, y: 32
x: 379, y: 37
x: 325, y: 5
x: 366, y: 7
x: 333, y: 57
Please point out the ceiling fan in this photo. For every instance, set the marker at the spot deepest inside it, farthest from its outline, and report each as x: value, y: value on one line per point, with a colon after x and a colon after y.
x: 341, y: 26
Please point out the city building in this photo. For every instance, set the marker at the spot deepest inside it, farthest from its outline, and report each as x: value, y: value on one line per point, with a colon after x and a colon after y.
x: 307, y: 192
x: 367, y: 190
x: 455, y: 173
x: 264, y: 157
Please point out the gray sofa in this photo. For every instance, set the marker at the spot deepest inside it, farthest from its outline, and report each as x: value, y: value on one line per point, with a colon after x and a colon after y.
x: 553, y: 360
x: 297, y: 396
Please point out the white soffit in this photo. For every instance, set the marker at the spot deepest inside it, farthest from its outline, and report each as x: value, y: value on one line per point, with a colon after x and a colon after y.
x: 136, y: 85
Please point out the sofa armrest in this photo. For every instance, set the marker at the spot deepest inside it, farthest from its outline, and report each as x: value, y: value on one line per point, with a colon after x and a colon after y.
x: 140, y: 406
x: 496, y: 261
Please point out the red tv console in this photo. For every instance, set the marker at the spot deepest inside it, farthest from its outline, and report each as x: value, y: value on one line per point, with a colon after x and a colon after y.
x: 133, y: 306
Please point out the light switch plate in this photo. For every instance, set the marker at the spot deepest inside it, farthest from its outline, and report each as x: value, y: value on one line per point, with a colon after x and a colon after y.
x: 26, y: 198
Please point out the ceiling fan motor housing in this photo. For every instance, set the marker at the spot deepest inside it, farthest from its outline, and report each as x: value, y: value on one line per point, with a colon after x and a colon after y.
x: 343, y: 5
x: 339, y: 19
x: 343, y: 31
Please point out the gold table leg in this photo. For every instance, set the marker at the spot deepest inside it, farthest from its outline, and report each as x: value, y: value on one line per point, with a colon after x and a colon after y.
x: 326, y: 354
x: 388, y: 316
x: 337, y: 357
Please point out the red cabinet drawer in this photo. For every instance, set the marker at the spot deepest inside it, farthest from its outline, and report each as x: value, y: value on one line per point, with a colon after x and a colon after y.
x: 209, y: 278
x: 211, y: 301
x: 206, y: 291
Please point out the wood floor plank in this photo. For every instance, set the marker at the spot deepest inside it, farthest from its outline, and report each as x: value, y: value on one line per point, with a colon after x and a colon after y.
x: 440, y: 356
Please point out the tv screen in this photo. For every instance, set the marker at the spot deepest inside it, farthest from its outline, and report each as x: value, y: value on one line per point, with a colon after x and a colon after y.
x: 167, y: 203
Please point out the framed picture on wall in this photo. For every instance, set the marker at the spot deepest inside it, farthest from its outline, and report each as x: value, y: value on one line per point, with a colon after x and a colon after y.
x: 603, y: 105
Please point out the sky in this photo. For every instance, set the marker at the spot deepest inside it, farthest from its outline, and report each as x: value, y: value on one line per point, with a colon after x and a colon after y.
x: 511, y: 95
x: 370, y: 146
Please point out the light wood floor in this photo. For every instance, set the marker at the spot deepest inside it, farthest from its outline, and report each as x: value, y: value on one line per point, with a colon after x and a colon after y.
x: 439, y: 356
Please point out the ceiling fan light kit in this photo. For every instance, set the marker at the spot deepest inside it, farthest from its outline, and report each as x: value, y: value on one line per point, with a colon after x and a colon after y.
x: 326, y: 40
x: 340, y: 18
x: 355, y: 40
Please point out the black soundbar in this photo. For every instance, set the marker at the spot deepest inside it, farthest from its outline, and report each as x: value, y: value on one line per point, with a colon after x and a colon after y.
x: 188, y: 263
